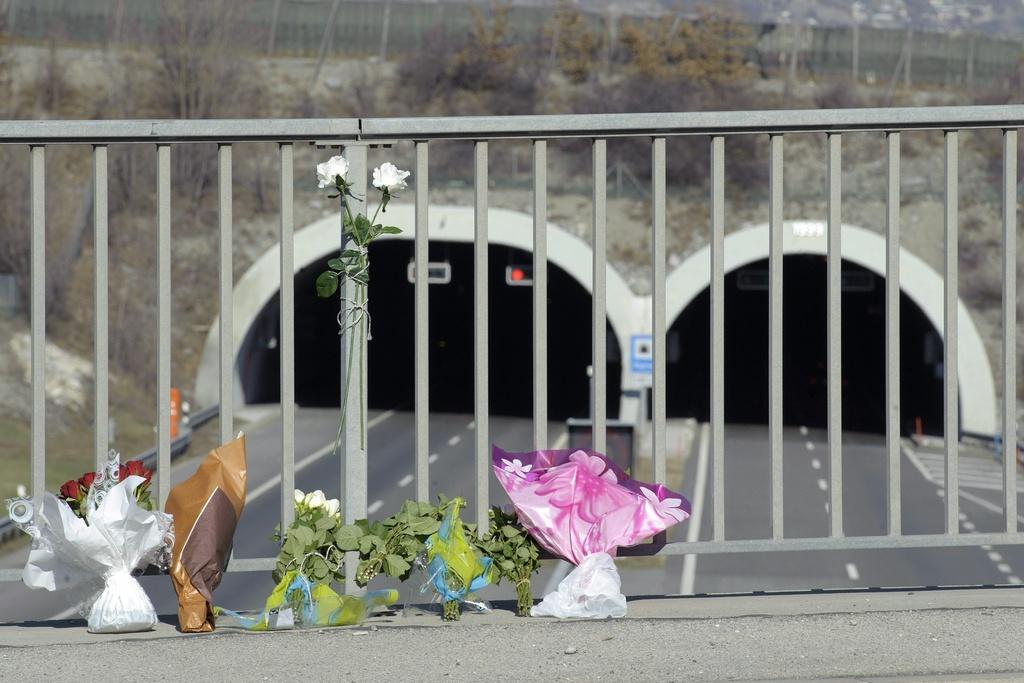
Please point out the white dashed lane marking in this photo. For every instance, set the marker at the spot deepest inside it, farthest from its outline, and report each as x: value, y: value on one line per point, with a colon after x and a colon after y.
x: 434, y: 457
x: 810, y: 445
x: 374, y: 506
x: 405, y: 481
x: 816, y: 464
x: 823, y: 485
x: 1004, y: 568
x: 454, y: 440
x: 995, y: 557
x: 851, y: 571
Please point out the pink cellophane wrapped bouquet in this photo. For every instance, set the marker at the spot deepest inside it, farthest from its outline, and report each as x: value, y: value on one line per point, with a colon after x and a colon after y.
x: 577, y: 503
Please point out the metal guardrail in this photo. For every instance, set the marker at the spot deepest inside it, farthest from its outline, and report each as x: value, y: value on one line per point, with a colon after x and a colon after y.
x: 356, y: 135
x: 148, y: 457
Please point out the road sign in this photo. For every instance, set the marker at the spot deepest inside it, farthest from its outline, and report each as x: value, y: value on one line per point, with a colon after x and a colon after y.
x: 438, y: 273
x: 641, y: 358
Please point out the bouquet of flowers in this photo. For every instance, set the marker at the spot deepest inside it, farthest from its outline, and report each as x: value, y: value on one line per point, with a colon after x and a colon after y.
x: 580, y: 505
x: 309, y: 547
x: 309, y: 561
x: 75, y: 491
x: 455, y: 568
x: 515, y: 555
x: 96, y: 547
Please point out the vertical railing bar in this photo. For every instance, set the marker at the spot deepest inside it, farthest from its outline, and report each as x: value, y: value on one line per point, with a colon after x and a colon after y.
x: 226, y: 277
x: 540, y: 294
x: 718, y: 334
x: 599, y: 350
x: 286, y: 153
x: 892, y: 331
x: 353, y: 443
x: 1010, y: 329
x: 835, y: 335
x: 950, y: 394
x: 101, y: 381
x: 163, y: 391
x: 37, y: 191
x: 775, y: 257
x: 658, y: 440
x: 422, y: 314
x: 481, y: 411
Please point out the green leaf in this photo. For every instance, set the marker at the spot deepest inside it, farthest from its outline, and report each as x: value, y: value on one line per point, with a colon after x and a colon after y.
x: 510, y: 532
x: 326, y: 522
x: 390, y: 230
x: 395, y: 565
x: 348, y: 537
x: 318, y: 568
x: 336, y: 264
x: 507, y: 565
x: 327, y: 284
x: 366, y: 544
x: 523, y: 553
x: 361, y: 227
x: 350, y: 254
x: 302, y: 534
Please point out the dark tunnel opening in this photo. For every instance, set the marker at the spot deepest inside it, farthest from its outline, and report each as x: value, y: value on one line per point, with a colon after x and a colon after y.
x: 391, y: 361
x: 805, y: 349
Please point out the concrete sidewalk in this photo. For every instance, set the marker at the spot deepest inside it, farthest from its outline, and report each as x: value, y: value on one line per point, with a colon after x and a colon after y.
x: 969, y: 634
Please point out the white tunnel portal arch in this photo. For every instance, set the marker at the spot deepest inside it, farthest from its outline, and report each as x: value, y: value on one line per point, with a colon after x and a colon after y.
x: 313, y: 243
x: 921, y: 283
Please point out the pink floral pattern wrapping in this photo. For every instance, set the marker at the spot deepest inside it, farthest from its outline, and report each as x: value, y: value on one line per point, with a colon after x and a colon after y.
x: 577, y: 502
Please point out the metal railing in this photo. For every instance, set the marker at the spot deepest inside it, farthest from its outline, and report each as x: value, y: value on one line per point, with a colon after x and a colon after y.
x: 355, y: 136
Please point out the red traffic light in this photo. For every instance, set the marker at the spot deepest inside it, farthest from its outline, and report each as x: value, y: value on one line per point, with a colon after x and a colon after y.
x: 519, y: 276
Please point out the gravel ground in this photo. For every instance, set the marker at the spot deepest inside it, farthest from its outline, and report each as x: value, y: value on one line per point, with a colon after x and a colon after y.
x: 967, y: 644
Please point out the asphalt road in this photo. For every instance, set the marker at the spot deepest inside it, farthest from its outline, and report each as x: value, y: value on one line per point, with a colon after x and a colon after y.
x: 391, y: 447
x: 806, y: 496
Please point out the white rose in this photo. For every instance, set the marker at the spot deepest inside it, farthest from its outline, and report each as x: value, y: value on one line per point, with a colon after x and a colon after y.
x: 299, y: 496
x: 332, y: 506
x: 388, y: 177
x: 316, y: 499
x: 328, y: 171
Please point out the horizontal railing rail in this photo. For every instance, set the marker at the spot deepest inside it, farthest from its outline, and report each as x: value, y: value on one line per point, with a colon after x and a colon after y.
x: 356, y: 135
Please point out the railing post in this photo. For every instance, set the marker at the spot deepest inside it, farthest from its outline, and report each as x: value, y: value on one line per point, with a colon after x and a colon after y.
x: 37, y: 191
x: 540, y: 294
x: 775, y: 261
x: 353, y: 447
x: 286, y: 305
x: 163, y: 258
x: 422, y: 323
x: 835, y: 332
x: 101, y: 443
x: 481, y: 410
x: 892, y: 330
x: 950, y: 400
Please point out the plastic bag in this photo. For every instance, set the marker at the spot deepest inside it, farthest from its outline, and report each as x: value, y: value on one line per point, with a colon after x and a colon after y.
x: 297, y: 603
x: 591, y: 591
x: 119, y: 537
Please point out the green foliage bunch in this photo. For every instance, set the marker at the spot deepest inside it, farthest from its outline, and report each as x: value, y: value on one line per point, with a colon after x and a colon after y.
x: 515, y: 554
x: 390, y: 546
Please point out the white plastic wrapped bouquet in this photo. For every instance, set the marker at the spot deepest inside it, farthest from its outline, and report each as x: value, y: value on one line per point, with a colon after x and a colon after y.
x: 94, y: 555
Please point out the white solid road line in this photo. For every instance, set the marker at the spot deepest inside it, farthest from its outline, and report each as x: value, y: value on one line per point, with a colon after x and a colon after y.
x: 273, y: 482
x: 851, y: 571
x: 405, y: 481
x: 689, y: 574
x: 374, y: 506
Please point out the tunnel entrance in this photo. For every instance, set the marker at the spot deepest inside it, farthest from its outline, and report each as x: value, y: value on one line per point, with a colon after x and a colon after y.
x: 805, y: 351
x: 391, y: 361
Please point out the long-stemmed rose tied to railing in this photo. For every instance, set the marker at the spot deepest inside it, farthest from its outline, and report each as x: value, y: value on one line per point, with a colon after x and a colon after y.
x: 353, y: 263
